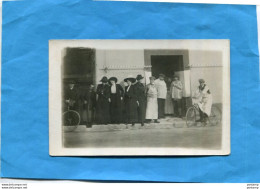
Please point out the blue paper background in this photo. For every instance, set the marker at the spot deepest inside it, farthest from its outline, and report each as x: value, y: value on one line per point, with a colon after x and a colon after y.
x: 27, y: 27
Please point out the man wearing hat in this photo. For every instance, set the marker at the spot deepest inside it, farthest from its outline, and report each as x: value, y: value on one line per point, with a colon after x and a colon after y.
x: 70, y: 96
x: 176, y: 94
x: 140, y: 94
x: 162, y: 93
x: 131, y: 102
x: 204, y: 101
x: 103, y: 102
x: 116, y: 105
x: 88, y: 104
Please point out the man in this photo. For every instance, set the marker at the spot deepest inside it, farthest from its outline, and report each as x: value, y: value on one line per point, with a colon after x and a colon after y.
x: 204, y: 101
x: 176, y: 94
x: 70, y: 96
x: 89, y: 102
x: 103, y: 102
x: 152, y: 104
x: 140, y: 94
x: 162, y: 93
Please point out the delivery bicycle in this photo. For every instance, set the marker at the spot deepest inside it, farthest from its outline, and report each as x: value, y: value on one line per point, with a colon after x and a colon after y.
x: 192, y: 116
x: 70, y: 118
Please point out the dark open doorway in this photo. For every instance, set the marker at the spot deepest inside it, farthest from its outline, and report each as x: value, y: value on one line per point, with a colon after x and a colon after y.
x: 169, y: 65
x: 166, y: 64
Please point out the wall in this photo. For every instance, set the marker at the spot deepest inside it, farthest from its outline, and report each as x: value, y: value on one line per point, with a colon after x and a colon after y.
x: 203, y: 64
x: 207, y: 65
x: 119, y: 63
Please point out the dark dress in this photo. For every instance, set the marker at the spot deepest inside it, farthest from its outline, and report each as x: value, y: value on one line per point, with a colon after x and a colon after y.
x: 116, y: 105
x: 88, y: 106
x: 103, y: 96
x: 131, y: 105
x: 141, y: 97
x: 72, y: 96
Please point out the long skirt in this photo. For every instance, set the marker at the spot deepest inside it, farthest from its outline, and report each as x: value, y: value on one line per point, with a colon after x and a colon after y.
x: 103, y: 114
x: 131, y: 111
x: 151, y: 108
x: 141, y: 111
x: 116, y: 109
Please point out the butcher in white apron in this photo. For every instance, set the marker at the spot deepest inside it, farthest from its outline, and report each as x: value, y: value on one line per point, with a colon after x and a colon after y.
x: 204, y: 100
x: 152, y: 105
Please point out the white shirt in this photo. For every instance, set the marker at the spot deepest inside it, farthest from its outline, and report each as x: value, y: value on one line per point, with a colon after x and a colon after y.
x: 113, y: 89
x: 128, y: 88
x: 176, y: 92
x: 161, y: 88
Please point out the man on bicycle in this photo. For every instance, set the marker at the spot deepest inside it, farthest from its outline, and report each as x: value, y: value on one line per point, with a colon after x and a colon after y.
x: 204, y: 101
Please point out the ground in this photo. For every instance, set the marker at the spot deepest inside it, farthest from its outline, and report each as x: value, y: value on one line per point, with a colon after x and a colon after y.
x: 171, y: 132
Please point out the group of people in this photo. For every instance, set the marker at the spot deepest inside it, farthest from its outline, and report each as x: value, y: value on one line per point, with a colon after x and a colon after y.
x: 136, y: 103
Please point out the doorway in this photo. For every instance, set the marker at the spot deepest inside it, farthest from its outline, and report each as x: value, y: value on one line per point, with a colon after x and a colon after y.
x: 79, y: 66
x: 169, y: 65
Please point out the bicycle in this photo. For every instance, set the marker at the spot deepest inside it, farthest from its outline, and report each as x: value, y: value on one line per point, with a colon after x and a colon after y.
x: 193, y: 113
x: 70, y: 118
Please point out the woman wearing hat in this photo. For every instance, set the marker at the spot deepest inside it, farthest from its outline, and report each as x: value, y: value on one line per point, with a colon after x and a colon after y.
x: 103, y: 101
x: 204, y: 100
x: 116, y: 105
x: 131, y: 101
x: 141, y: 98
x: 152, y: 105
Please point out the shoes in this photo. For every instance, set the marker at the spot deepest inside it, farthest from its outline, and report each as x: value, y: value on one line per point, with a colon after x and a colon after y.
x: 156, y: 121
x: 133, y: 124
x: 142, y: 124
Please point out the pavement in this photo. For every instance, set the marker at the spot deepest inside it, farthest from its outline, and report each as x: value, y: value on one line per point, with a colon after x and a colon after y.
x: 170, y: 132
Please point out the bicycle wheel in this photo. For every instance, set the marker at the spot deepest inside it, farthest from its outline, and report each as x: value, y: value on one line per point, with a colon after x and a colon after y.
x: 71, y: 120
x: 191, y: 117
x: 215, y: 116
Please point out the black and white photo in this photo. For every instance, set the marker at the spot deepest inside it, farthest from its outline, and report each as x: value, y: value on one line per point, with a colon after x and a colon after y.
x: 139, y: 97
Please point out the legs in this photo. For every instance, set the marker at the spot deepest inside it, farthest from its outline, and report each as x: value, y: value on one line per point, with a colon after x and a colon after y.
x: 161, y: 104
x: 176, y: 107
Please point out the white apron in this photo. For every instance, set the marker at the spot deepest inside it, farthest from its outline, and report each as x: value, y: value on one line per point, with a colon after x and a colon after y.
x: 152, y: 105
x: 204, y: 100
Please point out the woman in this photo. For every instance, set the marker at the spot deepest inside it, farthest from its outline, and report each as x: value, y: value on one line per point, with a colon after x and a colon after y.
x: 152, y: 105
x: 116, y: 96
x: 103, y: 101
x: 141, y: 98
x: 130, y: 101
x: 204, y: 101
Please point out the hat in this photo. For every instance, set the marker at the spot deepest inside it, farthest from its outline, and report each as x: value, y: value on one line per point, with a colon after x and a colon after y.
x: 130, y: 78
x: 161, y: 75
x: 176, y: 76
x: 104, y: 79
x: 201, y: 80
x: 139, y: 76
x: 152, y: 77
x: 113, y: 79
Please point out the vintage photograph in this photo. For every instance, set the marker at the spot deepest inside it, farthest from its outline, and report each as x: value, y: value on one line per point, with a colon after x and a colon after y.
x: 139, y: 97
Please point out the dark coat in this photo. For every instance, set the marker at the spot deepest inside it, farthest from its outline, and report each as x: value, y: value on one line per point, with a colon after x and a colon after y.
x: 88, y: 105
x: 73, y: 96
x: 141, y: 97
x: 103, y: 96
x: 116, y: 105
x: 131, y: 104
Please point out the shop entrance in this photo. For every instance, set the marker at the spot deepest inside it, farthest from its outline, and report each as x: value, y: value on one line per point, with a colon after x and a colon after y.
x: 169, y: 65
